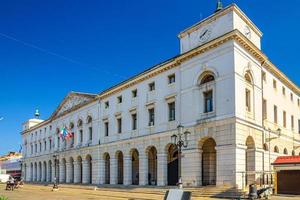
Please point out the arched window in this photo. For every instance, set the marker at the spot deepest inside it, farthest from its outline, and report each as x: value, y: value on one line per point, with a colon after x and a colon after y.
x: 71, y: 125
x: 248, y: 91
x: 207, y: 78
x: 276, y: 150
x: 89, y: 121
x: 266, y: 148
x: 207, y: 91
x: 79, y: 123
x: 285, y: 151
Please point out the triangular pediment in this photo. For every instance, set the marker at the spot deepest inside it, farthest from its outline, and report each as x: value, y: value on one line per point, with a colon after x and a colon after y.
x: 71, y: 101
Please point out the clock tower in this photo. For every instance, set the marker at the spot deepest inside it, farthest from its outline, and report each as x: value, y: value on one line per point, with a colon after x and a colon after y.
x: 223, y: 21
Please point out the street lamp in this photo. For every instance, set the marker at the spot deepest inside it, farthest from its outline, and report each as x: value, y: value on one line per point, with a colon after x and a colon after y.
x: 180, y: 140
x: 55, y: 183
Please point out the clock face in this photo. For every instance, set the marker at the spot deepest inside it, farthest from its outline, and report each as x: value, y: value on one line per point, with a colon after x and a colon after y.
x: 247, y: 32
x: 205, y: 34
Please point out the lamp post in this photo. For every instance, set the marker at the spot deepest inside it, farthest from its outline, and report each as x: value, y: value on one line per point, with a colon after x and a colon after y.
x: 55, y: 183
x: 180, y: 140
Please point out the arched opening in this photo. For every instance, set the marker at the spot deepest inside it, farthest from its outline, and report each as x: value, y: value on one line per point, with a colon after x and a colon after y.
x: 45, y: 171
x: 35, y: 172
x: 31, y: 172
x: 250, y: 161
x: 172, y: 164
x: 107, y: 168
x: 50, y: 171
x: 276, y: 149
x: 89, y: 169
x: 64, y: 170
x: 120, y: 164
x: 40, y: 172
x: 248, y: 77
x: 266, y: 148
x: 293, y: 153
x: 206, y: 78
x: 152, y: 166
x: 79, y: 161
x: 285, y: 151
x: 135, y: 167
x: 209, y: 162
x: 71, y: 170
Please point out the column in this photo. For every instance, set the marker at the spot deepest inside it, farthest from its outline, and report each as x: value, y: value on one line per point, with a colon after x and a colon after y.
x: 95, y: 171
x: 53, y: 172
x: 43, y: 173
x: 143, y: 169
x: 127, y: 170
x: 38, y: 173
x: 191, y: 167
x: 162, y: 169
x: 68, y: 172
x: 226, y: 159
x: 61, y: 172
x: 113, y: 171
x: 76, y: 172
x: 85, y: 172
x: 102, y: 171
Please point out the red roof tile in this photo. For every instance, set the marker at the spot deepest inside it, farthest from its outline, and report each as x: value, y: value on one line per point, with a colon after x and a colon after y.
x: 287, y: 160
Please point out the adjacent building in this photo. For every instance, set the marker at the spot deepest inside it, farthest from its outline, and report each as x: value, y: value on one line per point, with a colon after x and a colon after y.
x: 241, y: 110
x: 11, y: 164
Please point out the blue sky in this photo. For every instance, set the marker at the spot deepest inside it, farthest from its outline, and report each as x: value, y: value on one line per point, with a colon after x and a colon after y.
x: 51, y: 47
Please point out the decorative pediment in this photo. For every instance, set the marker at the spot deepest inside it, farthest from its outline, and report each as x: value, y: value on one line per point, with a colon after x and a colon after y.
x: 71, y: 101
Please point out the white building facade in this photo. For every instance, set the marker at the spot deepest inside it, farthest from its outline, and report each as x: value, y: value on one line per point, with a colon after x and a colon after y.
x: 241, y: 110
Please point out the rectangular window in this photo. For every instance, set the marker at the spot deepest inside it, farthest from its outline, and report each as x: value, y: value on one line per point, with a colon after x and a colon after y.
x: 283, y: 90
x: 298, y: 102
x: 119, y: 124
x: 31, y: 149
x: 134, y: 121
x: 106, y: 104
x: 50, y: 144
x: 299, y: 126
x: 40, y: 147
x: 275, y: 115
x: 151, y: 117
x: 80, y: 136
x: 106, y: 128
x: 292, y: 97
x: 134, y: 93
x: 264, y: 76
x: 292, y: 122
x: 151, y: 86
x: 90, y: 133
x: 45, y: 145
x: 265, y: 114
x: 171, y: 78
x: 284, y: 119
x: 248, y: 100
x: 119, y: 99
x: 171, y: 111
x: 208, y: 101
x: 274, y: 84
x: 35, y: 146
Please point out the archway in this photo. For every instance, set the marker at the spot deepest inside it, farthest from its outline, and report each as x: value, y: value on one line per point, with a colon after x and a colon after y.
x: 152, y: 165
x: 71, y: 179
x: 40, y: 172
x: 89, y: 169
x: 45, y: 171
x: 79, y: 162
x: 135, y: 167
x: 64, y: 170
x: 31, y: 172
x: 120, y: 164
x: 50, y: 171
x: 107, y: 168
x: 209, y: 162
x: 172, y: 164
x: 250, y: 161
x: 35, y: 172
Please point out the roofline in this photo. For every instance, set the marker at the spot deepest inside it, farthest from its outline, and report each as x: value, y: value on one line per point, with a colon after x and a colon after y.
x: 224, y: 11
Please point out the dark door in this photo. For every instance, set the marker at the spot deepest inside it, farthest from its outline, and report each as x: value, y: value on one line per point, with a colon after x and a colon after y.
x: 173, y: 172
x: 288, y: 182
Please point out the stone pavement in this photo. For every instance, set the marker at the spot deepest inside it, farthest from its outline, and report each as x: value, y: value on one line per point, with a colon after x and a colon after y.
x: 40, y: 192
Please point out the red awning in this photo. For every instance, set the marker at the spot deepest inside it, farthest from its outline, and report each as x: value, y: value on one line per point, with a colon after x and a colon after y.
x: 287, y: 160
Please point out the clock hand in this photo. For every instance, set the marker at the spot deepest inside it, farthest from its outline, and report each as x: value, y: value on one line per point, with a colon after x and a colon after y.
x: 203, y: 33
